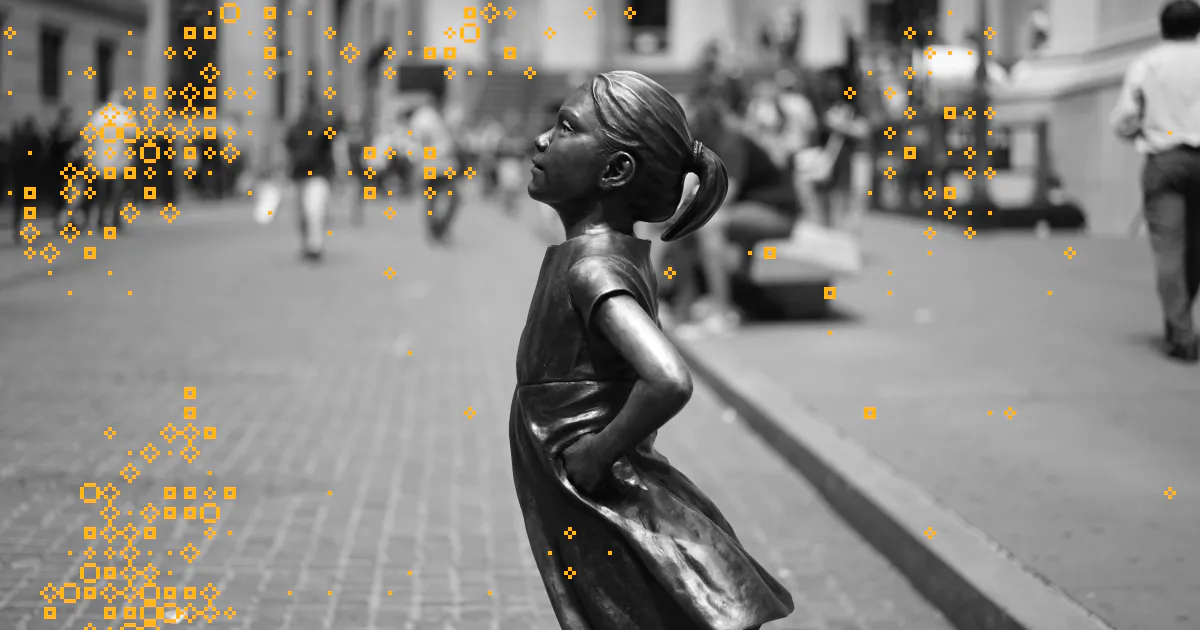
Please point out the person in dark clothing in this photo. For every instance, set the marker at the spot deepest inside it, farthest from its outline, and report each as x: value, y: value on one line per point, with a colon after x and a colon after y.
x: 312, y: 167
x: 26, y: 139
x: 762, y: 204
x: 59, y: 147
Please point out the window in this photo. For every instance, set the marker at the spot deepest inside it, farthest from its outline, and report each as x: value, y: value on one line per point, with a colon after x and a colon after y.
x: 104, y: 69
x: 648, y: 29
x: 3, y: 52
x: 50, y: 63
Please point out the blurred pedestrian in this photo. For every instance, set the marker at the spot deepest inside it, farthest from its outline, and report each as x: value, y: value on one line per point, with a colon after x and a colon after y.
x: 596, y: 379
x: 356, y: 140
x: 312, y: 167
x: 762, y: 204
x: 513, y: 167
x: 113, y: 124
x: 25, y: 151
x: 60, y: 147
x: 845, y: 126
x: 490, y: 140
x: 1159, y: 109
x: 432, y: 134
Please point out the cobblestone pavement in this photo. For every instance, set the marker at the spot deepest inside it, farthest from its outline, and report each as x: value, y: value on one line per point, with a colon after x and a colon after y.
x: 361, y: 419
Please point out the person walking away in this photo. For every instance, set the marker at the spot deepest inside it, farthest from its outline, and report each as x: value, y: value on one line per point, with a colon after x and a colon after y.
x: 26, y: 137
x: 491, y: 137
x: 1159, y: 110
x: 312, y: 167
x: 431, y: 132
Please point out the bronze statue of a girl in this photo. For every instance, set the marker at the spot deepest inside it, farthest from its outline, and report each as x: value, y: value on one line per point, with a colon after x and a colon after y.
x: 622, y: 540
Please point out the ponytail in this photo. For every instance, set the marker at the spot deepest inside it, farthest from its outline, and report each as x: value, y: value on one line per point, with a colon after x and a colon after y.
x: 714, y: 185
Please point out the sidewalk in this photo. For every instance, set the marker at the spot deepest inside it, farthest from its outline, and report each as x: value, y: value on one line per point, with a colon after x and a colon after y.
x: 354, y: 461
x: 1101, y: 424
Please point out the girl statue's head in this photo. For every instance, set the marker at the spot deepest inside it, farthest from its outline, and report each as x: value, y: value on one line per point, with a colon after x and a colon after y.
x: 621, y: 145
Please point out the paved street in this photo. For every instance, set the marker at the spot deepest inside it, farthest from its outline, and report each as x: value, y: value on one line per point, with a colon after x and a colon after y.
x: 1073, y: 483
x: 373, y: 486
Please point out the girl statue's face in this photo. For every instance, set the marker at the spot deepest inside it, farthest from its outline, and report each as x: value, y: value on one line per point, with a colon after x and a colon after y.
x: 569, y: 163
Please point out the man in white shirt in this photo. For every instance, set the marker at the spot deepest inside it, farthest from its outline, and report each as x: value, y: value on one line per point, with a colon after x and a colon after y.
x: 1159, y: 110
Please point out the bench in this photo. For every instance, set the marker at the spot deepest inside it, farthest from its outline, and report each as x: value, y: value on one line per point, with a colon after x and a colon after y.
x: 787, y: 278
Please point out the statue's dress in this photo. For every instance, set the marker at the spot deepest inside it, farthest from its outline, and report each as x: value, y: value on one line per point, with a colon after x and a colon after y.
x: 649, y: 551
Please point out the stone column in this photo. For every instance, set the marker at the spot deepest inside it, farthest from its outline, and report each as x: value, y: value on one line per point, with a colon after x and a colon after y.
x: 1075, y: 26
x: 154, y: 68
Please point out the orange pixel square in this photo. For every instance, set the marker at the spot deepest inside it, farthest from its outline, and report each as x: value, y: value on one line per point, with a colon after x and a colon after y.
x: 269, y: 52
x: 110, y: 233
x: 830, y: 293
x: 189, y: 393
x: 30, y: 213
x: 150, y: 533
x: 189, y: 413
x: 430, y: 153
x: 210, y: 113
x: 268, y: 13
x: 169, y: 493
x: 210, y: 93
x: 950, y: 112
x: 30, y: 193
x: 230, y: 493
x: 130, y: 172
x: 110, y: 172
x: 210, y: 133
x: 949, y: 192
x: 430, y: 52
x: 868, y: 413
x: 209, y: 433
x: 510, y: 52
x: 189, y: 32
x: 49, y: 613
x: 368, y: 192
x: 149, y: 193
x: 189, y: 153
x: 89, y: 253
x: 450, y: 52
x: 430, y: 172
x: 210, y: 32
x: 910, y: 153
x: 769, y: 253
x: 368, y: 153
x: 149, y: 93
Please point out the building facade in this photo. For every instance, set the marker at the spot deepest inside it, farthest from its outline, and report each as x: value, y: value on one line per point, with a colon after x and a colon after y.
x: 44, y: 64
